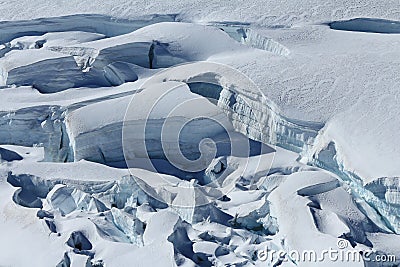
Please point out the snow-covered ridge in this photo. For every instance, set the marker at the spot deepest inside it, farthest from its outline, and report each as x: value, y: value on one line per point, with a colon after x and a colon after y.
x: 95, y: 82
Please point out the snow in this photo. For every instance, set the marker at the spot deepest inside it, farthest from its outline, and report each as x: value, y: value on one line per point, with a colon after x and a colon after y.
x: 196, y: 133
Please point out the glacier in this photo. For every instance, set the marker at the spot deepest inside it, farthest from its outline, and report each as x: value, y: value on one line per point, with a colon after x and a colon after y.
x: 181, y: 134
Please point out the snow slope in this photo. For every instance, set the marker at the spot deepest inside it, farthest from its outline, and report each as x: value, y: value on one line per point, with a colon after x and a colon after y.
x: 198, y: 133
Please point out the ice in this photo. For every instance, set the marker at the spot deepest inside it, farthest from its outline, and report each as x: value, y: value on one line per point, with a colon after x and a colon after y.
x: 130, y: 225
x: 329, y: 152
x: 385, y: 188
x: 367, y: 25
x: 67, y: 200
x: 197, y: 134
x: 54, y: 39
x: 31, y: 190
x: 289, y: 220
x: 78, y: 241
x: 118, y: 73
x: 8, y: 155
x: 65, y: 25
x: 242, y: 32
x: 65, y: 262
x: 62, y: 72
x: 36, y: 120
x: 250, y: 111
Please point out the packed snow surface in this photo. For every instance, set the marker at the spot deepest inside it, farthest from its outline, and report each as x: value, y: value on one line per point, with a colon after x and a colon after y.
x: 199, y: 133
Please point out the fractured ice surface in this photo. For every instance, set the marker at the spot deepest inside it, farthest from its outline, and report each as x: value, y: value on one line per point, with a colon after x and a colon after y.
x: 242, y: 33
x: 67, y: 83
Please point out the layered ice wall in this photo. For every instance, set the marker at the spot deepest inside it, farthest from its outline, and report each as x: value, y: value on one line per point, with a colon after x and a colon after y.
x: 113, y: 61
x: 37, y: 126
x: 254, y: 118
x: 249, y: 110
x: 357, y: 154
x: 241, y: 32
x: 256, y: 40
x: 66, y: 55
x: 79, y: 66
x: 85, y: 125
x: 327, y: 147
x: 276, y: 202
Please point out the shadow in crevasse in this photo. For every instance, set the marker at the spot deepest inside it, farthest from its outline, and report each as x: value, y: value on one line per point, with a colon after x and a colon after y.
x: 226, y: 144
x: 94, y: 23
x: 367, y: 25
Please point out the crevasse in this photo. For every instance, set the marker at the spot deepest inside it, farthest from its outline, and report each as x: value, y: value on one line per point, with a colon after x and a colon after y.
x: 250, y: 37
x: 254, y: 116
x: 329, y: 158
x: 258, y: 120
